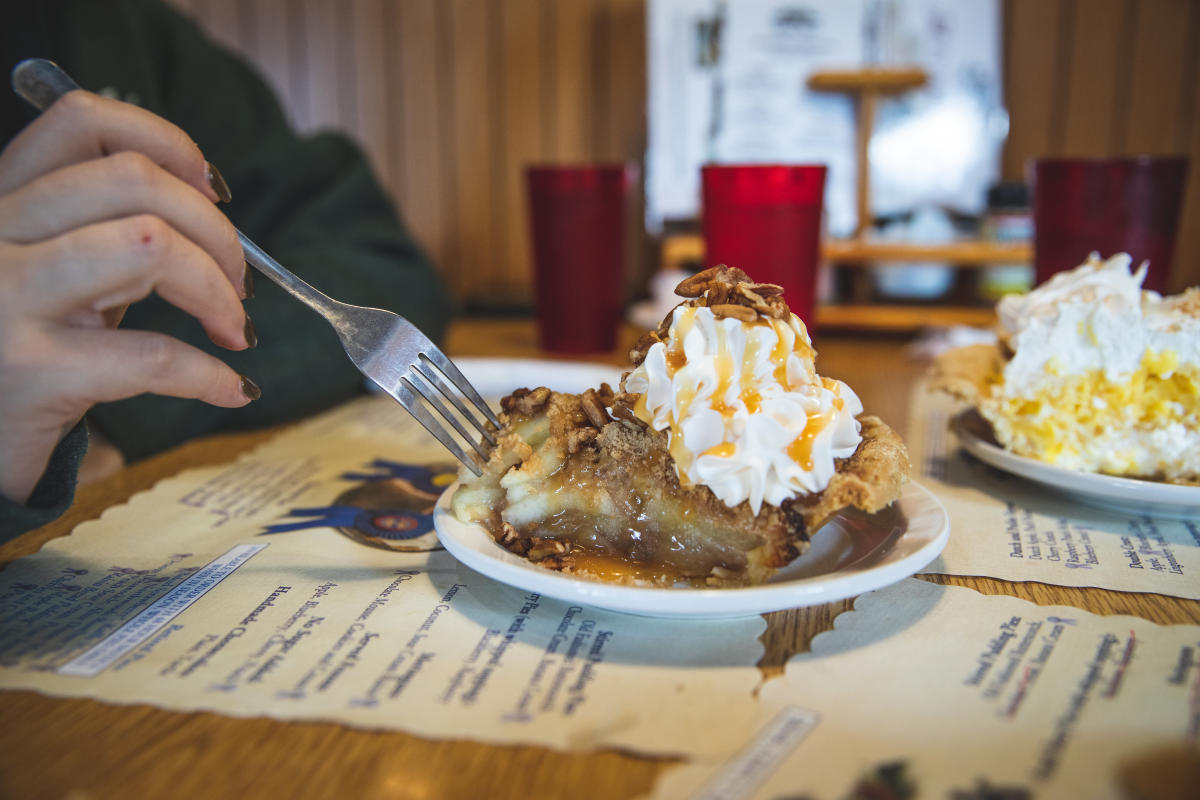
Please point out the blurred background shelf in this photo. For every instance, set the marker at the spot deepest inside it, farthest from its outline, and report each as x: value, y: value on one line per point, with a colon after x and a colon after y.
x: 899, y: 318
x: 686, y: 250
x: 681, y: 249
x: 975, y: 253
x: 868, y: 81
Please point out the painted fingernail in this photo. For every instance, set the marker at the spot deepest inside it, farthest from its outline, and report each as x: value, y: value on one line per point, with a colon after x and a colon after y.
x: 247, y: 283
x: 250, y: 388
x: 218, y: 184
x: 251, y: 336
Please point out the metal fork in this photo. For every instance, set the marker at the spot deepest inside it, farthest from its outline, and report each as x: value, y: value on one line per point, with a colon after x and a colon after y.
x: 384, y: 346
x: 400, y: 359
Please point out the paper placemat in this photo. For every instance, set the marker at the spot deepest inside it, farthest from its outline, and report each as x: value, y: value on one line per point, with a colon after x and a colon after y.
x: 939, y: 691
x: 1003, y: 526
x: 230, y: 589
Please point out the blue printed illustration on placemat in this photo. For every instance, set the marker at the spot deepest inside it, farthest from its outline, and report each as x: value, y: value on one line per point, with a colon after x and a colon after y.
x: 390, y: 506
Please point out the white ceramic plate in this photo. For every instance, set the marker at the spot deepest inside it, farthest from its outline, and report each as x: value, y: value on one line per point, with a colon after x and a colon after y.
x: 1105, y: 491
x: 496, y: 377
x: 852, y: 554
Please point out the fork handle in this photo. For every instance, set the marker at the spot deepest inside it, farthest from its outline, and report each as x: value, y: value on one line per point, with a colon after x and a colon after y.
x: 40, y: 82
x: 318, y: 301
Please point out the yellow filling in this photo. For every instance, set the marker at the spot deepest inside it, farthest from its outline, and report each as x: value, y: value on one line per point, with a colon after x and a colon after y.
x: 1060, y: 423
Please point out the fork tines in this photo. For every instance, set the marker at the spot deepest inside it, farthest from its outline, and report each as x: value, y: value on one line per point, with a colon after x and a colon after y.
x: 424, y: 379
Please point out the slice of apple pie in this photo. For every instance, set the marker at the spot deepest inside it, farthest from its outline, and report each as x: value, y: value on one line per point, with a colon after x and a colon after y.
x: 722, y: 452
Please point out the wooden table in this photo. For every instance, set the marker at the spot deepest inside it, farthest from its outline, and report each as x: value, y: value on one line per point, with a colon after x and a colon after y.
x: 86, y: 749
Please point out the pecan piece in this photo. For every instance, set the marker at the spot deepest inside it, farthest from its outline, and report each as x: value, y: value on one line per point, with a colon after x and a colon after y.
x: 542, y: 550
x: 526, y: 401
x: 746, y: 290
x: 664, y: 327
x: 593, y: 409
x: 770, y: 306
x: 765, y: 289
x: 560, y: 563
x: 717, y: 294
x: 640, y: 348
x: 744, y: 313
x: 696, y: 284
x: 512, y: 540
x: 606, y: 394
x: 622, y: 408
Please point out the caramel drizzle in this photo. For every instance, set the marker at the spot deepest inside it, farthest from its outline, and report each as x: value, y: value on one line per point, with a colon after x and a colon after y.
x: 801, y: 448
x: 787, y: 342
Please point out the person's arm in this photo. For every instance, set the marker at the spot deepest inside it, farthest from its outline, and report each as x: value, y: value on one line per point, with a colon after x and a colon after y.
x: 314, y: 205
x: 53, y: 492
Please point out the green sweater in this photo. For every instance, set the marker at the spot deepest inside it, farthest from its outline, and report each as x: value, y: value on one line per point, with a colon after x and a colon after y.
x: 312, y: 203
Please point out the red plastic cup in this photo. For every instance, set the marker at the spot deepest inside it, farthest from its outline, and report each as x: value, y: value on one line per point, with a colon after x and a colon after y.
x: 1112, y: 205
x: 765, y: 219
x: 578, y: 225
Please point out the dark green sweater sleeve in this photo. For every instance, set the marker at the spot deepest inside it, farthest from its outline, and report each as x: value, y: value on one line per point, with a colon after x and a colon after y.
x: 312, y: 203
x: 53, y: 493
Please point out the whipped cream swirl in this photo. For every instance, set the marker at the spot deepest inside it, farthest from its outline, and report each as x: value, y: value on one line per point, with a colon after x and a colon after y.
x: 745, y: 412
x: 1094, y: 317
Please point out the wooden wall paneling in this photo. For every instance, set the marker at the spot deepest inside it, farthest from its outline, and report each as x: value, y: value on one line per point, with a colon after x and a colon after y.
x: 520, y: 138
x: 222, y: 20
x: 570, y: 80
x: 1098, y: 68
x: 300, y: 77
x: 1185, y: 271
x: 1151, y: 121
x: 626, y: 123
x: 346, y: 71
x: 1032, y: 73
x: 367, y: 45
x: 625, y: 61
x: 602, y: 65
x: 415, y: 120
x: 265, y: 24
x: 1159, y: 113
x: 326, y: 94
x: 447, y: 172
x: 472, y: 262
x: 190, y: 8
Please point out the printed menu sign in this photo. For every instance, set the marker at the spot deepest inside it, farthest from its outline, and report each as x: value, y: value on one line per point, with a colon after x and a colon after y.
x: 230, y: 589
x: 939, y: 691
x: 1007, y: 527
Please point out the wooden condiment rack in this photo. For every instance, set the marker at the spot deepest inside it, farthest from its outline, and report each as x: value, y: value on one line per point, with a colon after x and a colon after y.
x: 868, y: 86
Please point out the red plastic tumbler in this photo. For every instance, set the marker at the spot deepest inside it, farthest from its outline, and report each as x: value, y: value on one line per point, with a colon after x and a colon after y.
x: 578, y: 225
x: 765, y: 219
x: 1113, y: 205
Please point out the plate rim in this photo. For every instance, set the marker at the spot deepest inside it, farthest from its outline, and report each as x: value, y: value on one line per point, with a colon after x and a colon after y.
x: 1100, y: 488
x: 496, y: 563
x: 494, y: 375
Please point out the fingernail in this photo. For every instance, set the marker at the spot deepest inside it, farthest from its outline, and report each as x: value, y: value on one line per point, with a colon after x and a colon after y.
x: 251, y: 336
x: 218, y: 184
x: 247, y: 283
x: 250, y: 388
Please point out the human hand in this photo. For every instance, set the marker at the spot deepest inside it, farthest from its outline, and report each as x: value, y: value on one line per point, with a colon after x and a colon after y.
x: 101, y: 204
